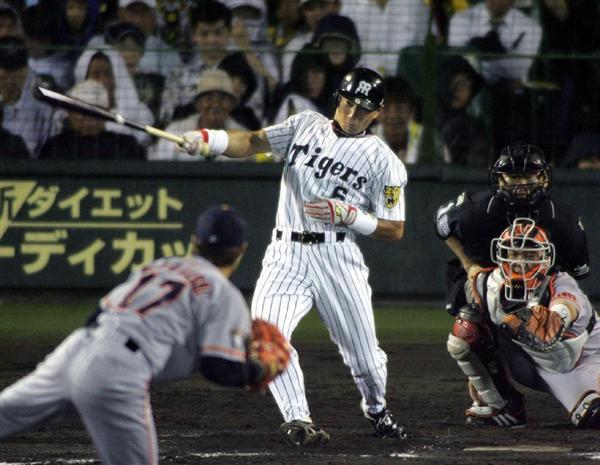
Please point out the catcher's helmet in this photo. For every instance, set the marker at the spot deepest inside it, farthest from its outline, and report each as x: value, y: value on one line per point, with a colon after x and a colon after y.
x: 521, y: 161
x: 525, y: 256
x: 364, y: 87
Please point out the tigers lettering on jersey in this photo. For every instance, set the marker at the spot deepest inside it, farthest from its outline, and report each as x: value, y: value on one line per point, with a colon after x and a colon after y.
x: 326, y: 165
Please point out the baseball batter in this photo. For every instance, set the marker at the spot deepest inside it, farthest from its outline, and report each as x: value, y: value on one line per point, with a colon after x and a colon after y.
x: 168, y: 319
x: 535, y: 321
x: 338, y: 181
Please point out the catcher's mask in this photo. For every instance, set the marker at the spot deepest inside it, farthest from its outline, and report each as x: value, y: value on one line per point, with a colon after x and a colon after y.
x: 525, y: 256
x: 520, y: 176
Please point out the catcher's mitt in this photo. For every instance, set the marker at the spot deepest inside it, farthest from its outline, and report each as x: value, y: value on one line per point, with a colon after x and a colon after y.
x: 270, y: 349
x: 537, y: 327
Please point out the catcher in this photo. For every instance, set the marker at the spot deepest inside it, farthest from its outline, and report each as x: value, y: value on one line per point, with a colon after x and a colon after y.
x: 171, y: 317
x: 528, y: 322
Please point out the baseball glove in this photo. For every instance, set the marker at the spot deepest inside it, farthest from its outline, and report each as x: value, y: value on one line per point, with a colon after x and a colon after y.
x: 536, y: 327
x: 270, y: 349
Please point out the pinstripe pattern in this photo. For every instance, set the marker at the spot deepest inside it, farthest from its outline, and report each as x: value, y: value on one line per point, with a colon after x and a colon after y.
x: 330, y: 276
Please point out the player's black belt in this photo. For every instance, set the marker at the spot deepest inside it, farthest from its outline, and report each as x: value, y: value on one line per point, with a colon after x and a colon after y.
x: 592, y: 323
x: 132, y: 345
x: 308, y: 237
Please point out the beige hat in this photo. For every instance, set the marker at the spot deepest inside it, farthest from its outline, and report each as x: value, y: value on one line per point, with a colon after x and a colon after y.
x: 214, y: 80
x: 90, y: 91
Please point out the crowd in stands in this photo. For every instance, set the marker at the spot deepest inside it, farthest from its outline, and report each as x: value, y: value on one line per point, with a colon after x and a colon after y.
x: 494, y: 71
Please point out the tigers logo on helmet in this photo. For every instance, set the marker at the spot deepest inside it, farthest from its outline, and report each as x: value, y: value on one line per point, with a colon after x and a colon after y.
x: 525, y: 256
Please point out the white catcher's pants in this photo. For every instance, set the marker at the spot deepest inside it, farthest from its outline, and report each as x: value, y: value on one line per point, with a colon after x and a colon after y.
x: 333, y: 277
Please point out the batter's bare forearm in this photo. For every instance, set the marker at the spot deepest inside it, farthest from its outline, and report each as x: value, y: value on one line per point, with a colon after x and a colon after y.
x: 246, y: 143
x: 389, y: 230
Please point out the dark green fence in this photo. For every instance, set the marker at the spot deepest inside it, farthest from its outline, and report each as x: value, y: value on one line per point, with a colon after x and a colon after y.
x: 85, y: 225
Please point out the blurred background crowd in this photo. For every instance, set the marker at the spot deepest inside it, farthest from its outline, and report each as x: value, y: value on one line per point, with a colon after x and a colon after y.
x: 463, y: 77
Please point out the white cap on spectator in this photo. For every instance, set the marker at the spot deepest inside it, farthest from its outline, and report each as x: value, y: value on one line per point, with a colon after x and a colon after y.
x: 258, y: 4
x: 215, y: 80
x: 302, y: 2
x: 126, y: 3
x: 90, y: 91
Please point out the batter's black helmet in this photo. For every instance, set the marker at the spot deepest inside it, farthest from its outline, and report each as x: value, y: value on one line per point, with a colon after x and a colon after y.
x: 521, y: 160
x: 364, y: 87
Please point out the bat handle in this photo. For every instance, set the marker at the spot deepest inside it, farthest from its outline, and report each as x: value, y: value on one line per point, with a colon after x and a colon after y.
x: 164, y: 135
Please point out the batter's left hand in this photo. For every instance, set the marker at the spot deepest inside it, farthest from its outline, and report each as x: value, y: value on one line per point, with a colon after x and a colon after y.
x: 331, y: 211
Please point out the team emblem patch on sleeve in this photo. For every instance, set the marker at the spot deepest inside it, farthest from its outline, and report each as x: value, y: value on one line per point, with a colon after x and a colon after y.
x: 391, y: 195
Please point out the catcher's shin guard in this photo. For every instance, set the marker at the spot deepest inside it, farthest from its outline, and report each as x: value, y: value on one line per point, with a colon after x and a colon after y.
x: 303, y: 433
x: 472, y: 345
x: 586, y: 414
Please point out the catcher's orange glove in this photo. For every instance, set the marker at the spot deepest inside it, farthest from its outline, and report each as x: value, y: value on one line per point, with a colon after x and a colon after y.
x: 270, y: 349
x: 537, y: 327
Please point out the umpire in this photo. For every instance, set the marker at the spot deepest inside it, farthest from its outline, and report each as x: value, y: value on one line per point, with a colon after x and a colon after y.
x: 519, y: 181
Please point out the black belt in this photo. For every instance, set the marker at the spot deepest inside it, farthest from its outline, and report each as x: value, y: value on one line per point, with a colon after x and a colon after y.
x: 132, y: 345
x: 308, y: 237
x: 592, y: 323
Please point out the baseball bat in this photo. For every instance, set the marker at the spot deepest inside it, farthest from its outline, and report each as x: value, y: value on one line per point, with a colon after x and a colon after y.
x: 74, y: 104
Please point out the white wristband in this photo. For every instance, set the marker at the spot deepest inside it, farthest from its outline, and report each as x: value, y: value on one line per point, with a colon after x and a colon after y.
x: 218, y: 140
x: 364, y: 223
x: 564, y: 312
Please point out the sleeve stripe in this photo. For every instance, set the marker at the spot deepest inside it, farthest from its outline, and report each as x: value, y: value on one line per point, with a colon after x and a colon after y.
x: 225, y: 350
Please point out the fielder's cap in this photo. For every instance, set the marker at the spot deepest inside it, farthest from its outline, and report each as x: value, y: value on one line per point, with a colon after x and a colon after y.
x: 215, y: 80
x: 13, y: 53
x: 126, y: 3
x: 221, y: 226
x: 90, y: 91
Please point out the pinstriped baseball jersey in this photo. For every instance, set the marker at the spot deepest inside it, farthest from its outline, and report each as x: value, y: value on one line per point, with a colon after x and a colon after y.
x: 331, y: 275
x: 362, y: 171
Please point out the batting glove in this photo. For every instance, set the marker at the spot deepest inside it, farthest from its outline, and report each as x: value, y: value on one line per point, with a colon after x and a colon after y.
x: 205, y: 142
x: 336, y: 212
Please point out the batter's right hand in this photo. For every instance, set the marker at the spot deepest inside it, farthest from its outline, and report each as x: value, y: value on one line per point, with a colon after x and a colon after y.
x: 194, y: 144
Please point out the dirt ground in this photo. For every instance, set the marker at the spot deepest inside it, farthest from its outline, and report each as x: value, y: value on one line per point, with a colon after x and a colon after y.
x: 199, y: 423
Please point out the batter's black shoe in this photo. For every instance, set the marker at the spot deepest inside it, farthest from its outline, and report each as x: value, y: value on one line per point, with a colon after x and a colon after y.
x: 385, y: 425
x: 303, y: 433
x: 512, y: 415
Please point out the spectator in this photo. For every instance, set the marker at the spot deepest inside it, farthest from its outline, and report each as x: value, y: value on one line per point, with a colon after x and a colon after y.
x: 385, y: 27
x: 336, y: 37
x: 40, y: 25
x: 130, y: 41
x: 109, y: 68
x: 22, y: 114
x: 86, y: 137
x: 244, y: 84
x: 173, y: 22
x: 512, y: 38
x: 312, y: 12
x: 249, y: 35
x: 159, y: 57
x: 213, y: 102
x: 10, y: 21
x: 463, y: 138
x: 570, y: 28
x: 78, y: 20
x: 12, y: 146
x: 583, y: 153
x: 306, y: 89
x: 284, y: 22
x: 211, y: 32
x: 398, y: 127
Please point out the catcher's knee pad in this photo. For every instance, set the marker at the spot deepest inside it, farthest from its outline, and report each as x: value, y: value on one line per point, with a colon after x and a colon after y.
x: 586, y: 414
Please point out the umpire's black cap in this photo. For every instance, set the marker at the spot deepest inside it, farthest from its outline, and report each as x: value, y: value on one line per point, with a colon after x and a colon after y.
x: 13, y: 53
x: 221, y: 226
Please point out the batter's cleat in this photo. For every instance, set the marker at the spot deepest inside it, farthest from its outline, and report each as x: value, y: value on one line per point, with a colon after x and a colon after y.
x: 303, y: 433
x: 509, y: 416
x: 385, y: 425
